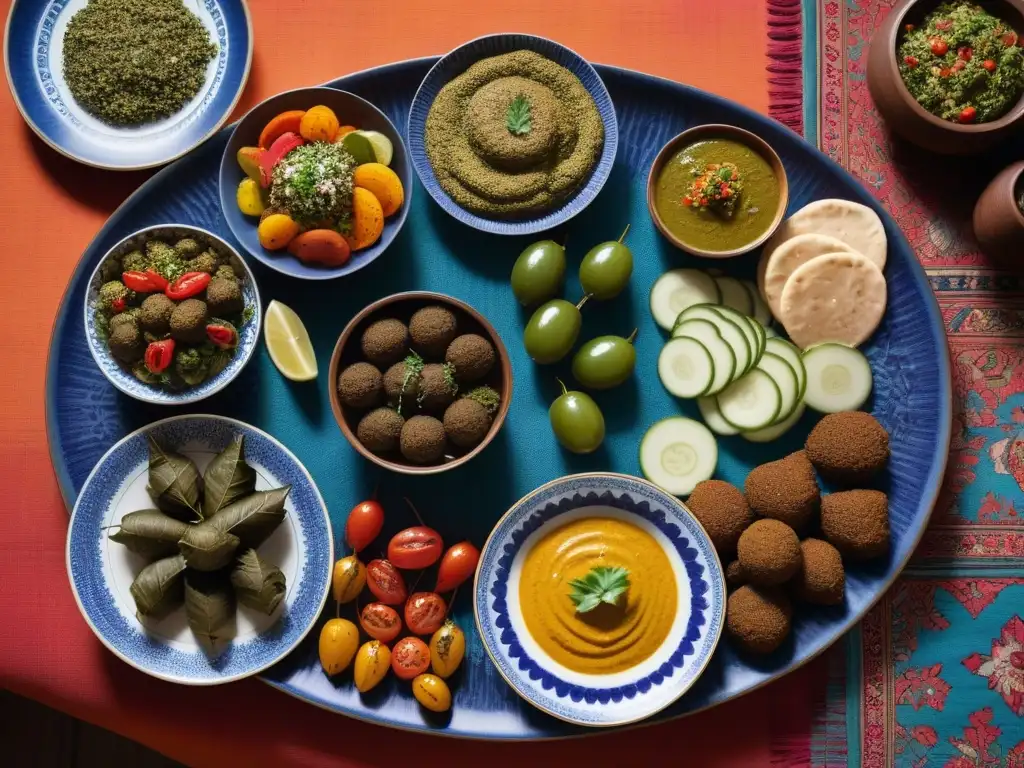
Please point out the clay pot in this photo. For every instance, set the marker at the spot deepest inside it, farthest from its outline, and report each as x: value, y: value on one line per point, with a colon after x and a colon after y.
x: 901, y: 111
x: 998, y: 221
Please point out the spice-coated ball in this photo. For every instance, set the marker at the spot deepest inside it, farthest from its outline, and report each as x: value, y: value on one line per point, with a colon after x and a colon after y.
x: 402, y: 386
x: 856, y: 523
x: 723, y: 511
x: 785, y: 490
x: 360, y: 386
x: 758, y: 618
x: 224, y: 297
x: 431, y: 330
x: 821, y: 579
x: 380, y: 430
x: 188, y: 321
x: 769, y: 552
x: 472, y: 355
x: 385, y: 342
x: 126, y: 342
x: 423, y: 439
x: 437, y: 387
x: 467, y: 422
x: 155, y: 313
x: 848, y: 448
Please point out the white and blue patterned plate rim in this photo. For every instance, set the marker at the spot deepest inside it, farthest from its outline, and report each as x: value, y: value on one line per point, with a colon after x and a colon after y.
x: 313, y: 616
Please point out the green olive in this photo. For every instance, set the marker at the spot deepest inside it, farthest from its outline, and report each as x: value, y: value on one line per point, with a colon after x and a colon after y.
x: 606, y: 269
x: 577, y: 421
x: 605, y: 362
x: 552, y: 330
x: 538, y: 272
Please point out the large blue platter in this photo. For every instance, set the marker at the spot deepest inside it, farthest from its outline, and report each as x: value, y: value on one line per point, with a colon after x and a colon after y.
x: 85, y: 415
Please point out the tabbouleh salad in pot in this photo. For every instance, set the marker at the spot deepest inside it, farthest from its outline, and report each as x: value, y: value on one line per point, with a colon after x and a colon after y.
x: 963, y: 64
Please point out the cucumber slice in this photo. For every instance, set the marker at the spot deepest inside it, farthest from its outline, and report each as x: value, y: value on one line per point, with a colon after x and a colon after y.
x: 838, y: 378
x: 788, y: 352
x: 728, y: 329
x: 678, y: 289
x: 770, y: 332
x: 762, y: 336
x: 721, y: 353
x: 753, y: 340
x: 761, y: 312
x: 775, y: 431
x: 784, y: 376
x: 709, y: 412
x: 752, y: 402
x: 677, y: 453
x: 735, y: 295
x: 686, y: 368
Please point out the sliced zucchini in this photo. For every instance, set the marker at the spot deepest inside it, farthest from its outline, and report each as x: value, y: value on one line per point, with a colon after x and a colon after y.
x: 728, y: 329
x: 784, y: 376
x: 686, y: 368
x: 677, y: 453
x: 678, y: 289
x: 753, y: 339
x: 752, y: 402
x: 761, y: 312
x: 789, y: 352
x: 735, y: 295
x: 775, y: 431
x: 709, y: 412
x: 721, y: 353
x: 838, y: 378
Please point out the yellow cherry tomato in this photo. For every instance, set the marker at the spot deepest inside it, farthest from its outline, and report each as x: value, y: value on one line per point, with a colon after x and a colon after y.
x: 250, y: 198
x: 432, y: 692
x: 348, y: 579
x: 447, y: 648
x: 277, y: 230
x: 338, y: 642
x: 373, y: 660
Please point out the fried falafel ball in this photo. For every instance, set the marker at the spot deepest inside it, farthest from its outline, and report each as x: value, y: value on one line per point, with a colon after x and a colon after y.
x: 758, y: 618
x: 856, y: 523
x: 361, y: 386
x: 431, y: 330
x: 467, y: 422
x: 224, y: 297
x: 125, y: 341
x: 188, y: 321
x: 385, y: 342
x: 134, y: 261
x: 187, y: 248
x: 226, y: 272
x: 423, y: 439
x: 473, y: 357
x: 785, y: 490
x: 769, y: 552
x: 402, y: 385
x: 380, y: 430
x: 155, y: 315
x: 113, y: 297
x: 437, y: 387
x: 207, y: 262
x: 821, y: 579
x: 723, y: 511
x: 848, y: 448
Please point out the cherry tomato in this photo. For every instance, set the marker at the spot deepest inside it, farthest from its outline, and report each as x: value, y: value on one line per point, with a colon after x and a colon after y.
x: 939, y: 46
x: 1010, y: 38
x: 141, y: 282
x: 385, y: 582
x: 908, y: 27
x: 989, y: 65
x: 424, y: 613
x: 457, y: 565
x: 911, y: 61
x: 363, y: 524
x: 415, y: 548
x: 944, y: 24
x: 159, y: 355
x: 379, y: 621
x: 188, y: 285
x: 410, y: 657
x: 968, y: 114
x: 965, y: 52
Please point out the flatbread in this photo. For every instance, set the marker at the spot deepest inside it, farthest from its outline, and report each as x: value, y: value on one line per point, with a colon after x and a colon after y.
x: 836, y: 297
x: 791, y: 254
x: 855, y: 224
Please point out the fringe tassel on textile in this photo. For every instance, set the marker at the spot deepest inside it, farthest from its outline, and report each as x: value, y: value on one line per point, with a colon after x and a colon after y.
x: 785, y: 67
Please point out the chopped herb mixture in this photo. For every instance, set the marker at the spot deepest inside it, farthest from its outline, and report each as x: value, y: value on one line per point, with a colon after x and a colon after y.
x: 313, y: 183
x: 716, y: 187
x: 963, y: 64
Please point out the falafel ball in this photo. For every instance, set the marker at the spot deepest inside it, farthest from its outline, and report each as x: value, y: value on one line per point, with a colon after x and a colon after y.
x: 849, y: 447
x: 360, y: 386
x: 423, y: 439
x: 472, y: 355
x: 432, y: 329
x: 769, y: 552
x: 224, y: 297
x: 113, y: 296
x: 466, y: 421
x: 226, y: 272
x: 437, y: 387
x: 130, y: 315
x: 188, y: 321
x: 126, y: 342
x: 758, y: 618
x: 385, y: 342
x: 156, y: 313
x: 723, y: 511
x: 785, y: 490
x: 187, y: 247
x: 821, y: 578
x: 207, y: 262
x: 380, y: 430
x: 402, y: 386
x: 856, y: 523
x: 134, y: 261
x: 735, y: 576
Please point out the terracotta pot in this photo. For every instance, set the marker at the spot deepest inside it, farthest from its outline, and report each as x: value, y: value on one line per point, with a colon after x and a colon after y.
x: 901, y: 111
x: 998, y: 221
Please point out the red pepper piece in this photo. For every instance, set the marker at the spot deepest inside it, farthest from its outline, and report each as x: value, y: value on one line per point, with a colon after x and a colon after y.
x: 989, y: 65
x: 157, y: 279
x: 687, y: 201
x: 222, y: 336
x: 944, y: 24
x: 188, y: 285
x: 1010, y: 38
x: 968, y: 114
x: 910, y: 61
x: 159, y: 355
x: 965, y: 52
x: 939, y: 46
x: 118, y: 305
x: 959, y: 64
x: 945, y: 72
x: 140, y: 282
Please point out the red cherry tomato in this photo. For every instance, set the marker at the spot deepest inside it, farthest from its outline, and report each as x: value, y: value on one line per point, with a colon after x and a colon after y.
x: 965, y: 52
x: 385, y: 582
x: 457, y: 565
x: 363, y: 524
x: 158, y: 355
x: 939, y: 46
x: 989, y: 65
x: 967, y: 114
x: 415, y: 548
x: 944, y: 24
x: 188, y: 285
x: 425, y: 612
x: 410, y: 657
x: 1010, y: 38
x: 379, y: 621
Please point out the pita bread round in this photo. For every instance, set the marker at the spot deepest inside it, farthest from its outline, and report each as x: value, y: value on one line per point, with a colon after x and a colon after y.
x: 855, y: 224
x: 836, y: 297
x: 791, y: 254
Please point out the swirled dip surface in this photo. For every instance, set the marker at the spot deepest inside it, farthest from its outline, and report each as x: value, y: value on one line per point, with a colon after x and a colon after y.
x: 488, y: 168
x: 610, y: 638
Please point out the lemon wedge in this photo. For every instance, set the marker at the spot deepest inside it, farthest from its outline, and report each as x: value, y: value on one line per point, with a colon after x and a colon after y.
x: 382, y: 148
x: 288, y: 343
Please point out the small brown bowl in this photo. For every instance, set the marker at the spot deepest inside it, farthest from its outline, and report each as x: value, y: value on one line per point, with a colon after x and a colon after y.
x: 998, y: 221
x: 402, y: 306
x: 900, y: 109
x: 717, y: 131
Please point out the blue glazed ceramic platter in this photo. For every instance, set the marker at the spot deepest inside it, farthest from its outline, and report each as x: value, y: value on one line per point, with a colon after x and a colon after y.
x: 101, y: 570
x: 908, y: 354
x: 33, y: 56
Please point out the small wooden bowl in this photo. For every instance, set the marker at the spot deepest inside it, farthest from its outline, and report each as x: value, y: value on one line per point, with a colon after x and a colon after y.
x: 401, y: 306
x: 717, y: 131
x: 998, y: 221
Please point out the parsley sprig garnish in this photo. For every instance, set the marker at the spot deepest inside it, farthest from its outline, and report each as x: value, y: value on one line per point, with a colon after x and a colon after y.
x: 519, y: 119
x: 602, y: 585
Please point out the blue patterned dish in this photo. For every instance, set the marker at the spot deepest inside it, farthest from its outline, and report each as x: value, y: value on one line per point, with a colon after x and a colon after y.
x: 453, y: 64
x: 33, y: 55
x: 102, y: 570
x: 248, y: 333
x: 653, y: 684
x: 351, y: 110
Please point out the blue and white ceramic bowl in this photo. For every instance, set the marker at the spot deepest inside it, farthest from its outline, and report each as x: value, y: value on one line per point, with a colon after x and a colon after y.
x: 33, y: 56
x: 651, y: 685
x: 248, y: 334
x: 458, y: 61
x: 101, y: 570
